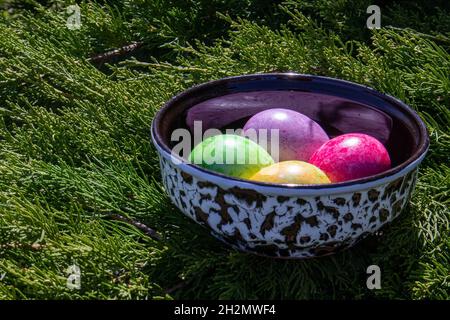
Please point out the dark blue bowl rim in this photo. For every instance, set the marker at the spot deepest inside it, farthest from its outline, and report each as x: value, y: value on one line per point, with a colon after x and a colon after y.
x: 420, y: 150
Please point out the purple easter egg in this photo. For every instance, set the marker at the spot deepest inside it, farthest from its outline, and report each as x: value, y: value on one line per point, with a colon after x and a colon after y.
x: 299, y: 136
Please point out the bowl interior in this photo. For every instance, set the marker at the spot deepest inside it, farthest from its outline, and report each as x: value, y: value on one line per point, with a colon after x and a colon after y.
x: 338, y: 106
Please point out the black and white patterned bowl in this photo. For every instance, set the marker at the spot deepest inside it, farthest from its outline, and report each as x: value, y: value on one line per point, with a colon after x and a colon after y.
x: 284, y: 220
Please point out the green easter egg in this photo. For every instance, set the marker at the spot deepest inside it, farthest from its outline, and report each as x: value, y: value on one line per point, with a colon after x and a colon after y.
x: 231, y: 155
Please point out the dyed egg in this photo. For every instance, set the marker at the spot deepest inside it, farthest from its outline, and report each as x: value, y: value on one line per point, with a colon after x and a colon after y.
x: 292, y: 172
x: 298, y: 135
x: 351, y: 156
x: 231, y: 155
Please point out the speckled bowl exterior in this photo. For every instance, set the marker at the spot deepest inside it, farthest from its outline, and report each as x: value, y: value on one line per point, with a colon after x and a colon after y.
x: 289, y: 221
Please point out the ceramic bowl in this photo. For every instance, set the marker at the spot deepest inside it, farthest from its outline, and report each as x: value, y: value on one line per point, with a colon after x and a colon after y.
x: 291, y: 221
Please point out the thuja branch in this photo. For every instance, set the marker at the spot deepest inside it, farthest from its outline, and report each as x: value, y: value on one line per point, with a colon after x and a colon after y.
x: 144, y: 228
x: 116, y: 53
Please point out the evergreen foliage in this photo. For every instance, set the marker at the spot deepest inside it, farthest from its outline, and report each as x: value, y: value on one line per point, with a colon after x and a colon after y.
x: 75, y: 148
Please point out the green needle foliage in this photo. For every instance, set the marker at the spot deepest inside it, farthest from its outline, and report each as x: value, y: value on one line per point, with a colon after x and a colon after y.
x: 75, y: 151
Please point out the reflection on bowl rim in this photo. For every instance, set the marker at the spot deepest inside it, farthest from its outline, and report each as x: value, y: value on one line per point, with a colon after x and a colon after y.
x: 293, y: 189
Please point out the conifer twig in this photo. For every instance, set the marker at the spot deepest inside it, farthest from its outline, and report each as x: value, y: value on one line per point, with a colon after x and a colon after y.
x: 146, y: 229
x: 115, y: 53
x: 17, y: 245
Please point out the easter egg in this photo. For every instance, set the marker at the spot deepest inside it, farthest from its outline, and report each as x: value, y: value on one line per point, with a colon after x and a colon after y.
x: 291, y: 172
x: 231, y: 155
x: 298, y: 135
x: 351, y: 156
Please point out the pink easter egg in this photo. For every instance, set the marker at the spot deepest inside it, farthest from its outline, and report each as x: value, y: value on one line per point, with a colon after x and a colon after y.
x: 351, y: 156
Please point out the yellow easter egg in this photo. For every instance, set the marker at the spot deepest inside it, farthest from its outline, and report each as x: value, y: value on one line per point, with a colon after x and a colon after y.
x: 291, y: 172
